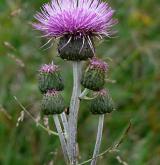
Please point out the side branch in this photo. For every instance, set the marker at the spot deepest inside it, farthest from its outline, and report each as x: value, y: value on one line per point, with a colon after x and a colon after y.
x: 98, y: 140
x: 61, y: 137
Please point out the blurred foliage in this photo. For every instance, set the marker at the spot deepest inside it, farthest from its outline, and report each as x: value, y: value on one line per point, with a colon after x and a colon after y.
x: 135, y: 67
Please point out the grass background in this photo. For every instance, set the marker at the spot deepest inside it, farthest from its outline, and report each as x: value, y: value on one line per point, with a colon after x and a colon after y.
x: 135, y: 66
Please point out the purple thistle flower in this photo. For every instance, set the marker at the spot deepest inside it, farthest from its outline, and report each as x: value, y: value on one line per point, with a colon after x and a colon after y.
x: 98, y: 64
x: 48, y: 68
x: 75, y: 17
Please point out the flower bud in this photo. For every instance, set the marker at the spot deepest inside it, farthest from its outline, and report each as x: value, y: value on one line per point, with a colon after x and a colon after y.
x: 50, y: 78
x: 94, y: 76
x: 102, y: 104
x: 75, y: 48
x: 52, y: 103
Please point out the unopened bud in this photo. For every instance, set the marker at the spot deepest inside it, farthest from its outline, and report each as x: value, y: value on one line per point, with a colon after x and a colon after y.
x: 102, y: 104
x: 50, y: 78
x: 52, y: 103
x: 94, y: 76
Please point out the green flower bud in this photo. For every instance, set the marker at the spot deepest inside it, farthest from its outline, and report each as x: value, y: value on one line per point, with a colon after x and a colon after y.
x: 50, y: 78
x: 94, y: 77
x: 102, y: 104
x: 52, y: 103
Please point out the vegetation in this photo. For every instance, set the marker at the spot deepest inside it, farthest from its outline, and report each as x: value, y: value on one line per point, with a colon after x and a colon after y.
x: 134, y: 62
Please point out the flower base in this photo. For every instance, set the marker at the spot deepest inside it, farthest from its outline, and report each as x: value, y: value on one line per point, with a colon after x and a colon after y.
x: 75, y: 48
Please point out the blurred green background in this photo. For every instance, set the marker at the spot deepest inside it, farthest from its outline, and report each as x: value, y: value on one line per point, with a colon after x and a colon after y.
x: 135, y: 66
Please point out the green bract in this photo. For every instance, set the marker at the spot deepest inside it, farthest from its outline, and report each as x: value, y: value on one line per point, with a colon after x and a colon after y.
x: 101, y: 105
x: 75, y: 49
x: 93, y: 79
x: 49, y: 81
x: 52, y: 104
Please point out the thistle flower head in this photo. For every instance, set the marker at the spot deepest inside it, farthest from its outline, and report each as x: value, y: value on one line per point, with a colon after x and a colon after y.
x: 75, y: 17
x: 50, y: 68
x: 102, y: 104
x: 52, y: 103
x: 98, y: 64
x: 94, y: 76
x: 49, y: 78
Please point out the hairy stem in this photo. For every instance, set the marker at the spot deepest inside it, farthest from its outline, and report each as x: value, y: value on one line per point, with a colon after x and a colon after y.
x: 66, y: 131
x: 61, y: 137
x: 73, y: 115
x: 65, y: 125
x: 98, y: 140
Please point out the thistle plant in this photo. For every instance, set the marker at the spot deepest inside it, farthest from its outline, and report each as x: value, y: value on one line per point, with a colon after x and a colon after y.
x: 76, y: 24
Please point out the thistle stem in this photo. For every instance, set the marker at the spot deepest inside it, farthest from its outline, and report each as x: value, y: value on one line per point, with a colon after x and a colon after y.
x: 98, y: 140
x: 73, y: 115
x: 62, y: 138
x: 65, y: 124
